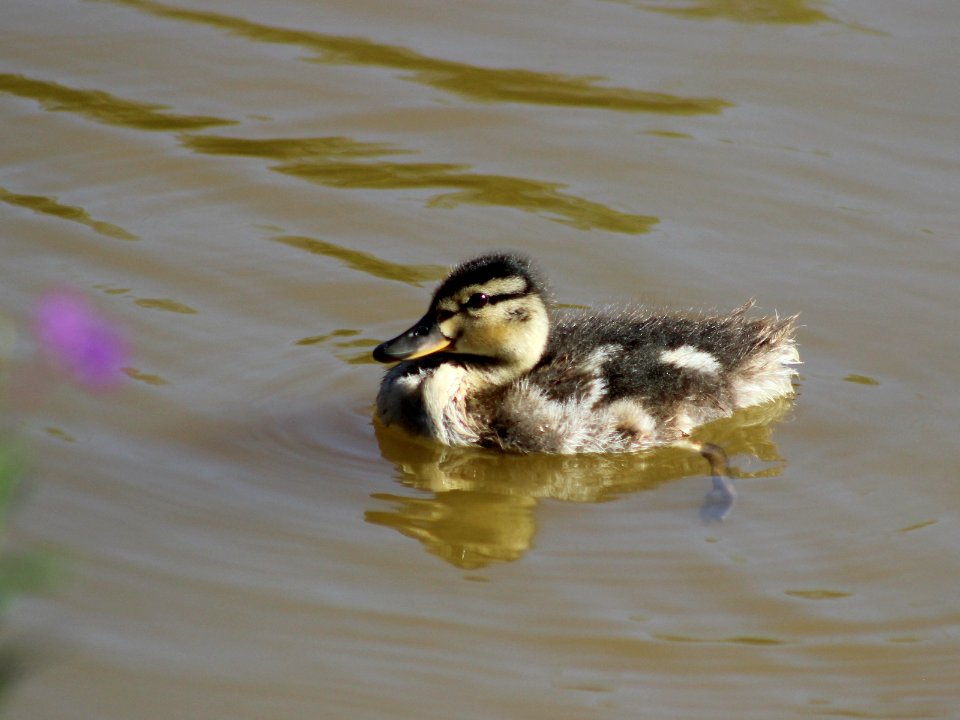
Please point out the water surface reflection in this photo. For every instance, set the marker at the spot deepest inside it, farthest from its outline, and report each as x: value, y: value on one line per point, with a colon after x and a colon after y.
x: 104, y: 107
x: 787, y: 12
x: 516, y: 85
x: 345, y: 163
x: 475, y: 507
x: 365, y: 262
x: 337, y: 162
x: 44, y: 205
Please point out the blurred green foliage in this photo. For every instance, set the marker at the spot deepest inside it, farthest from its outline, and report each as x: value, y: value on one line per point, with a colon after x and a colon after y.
x: 22, y: 571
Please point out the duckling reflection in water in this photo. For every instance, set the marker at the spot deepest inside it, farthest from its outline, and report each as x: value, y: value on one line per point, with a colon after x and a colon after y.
x: 473, y: 507
x: 492, y: 364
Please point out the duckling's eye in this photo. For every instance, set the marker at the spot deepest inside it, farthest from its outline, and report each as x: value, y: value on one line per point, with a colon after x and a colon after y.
x: 477, y: 301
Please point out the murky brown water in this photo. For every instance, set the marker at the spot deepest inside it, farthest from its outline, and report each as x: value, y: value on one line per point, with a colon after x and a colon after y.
x: 262, y: 191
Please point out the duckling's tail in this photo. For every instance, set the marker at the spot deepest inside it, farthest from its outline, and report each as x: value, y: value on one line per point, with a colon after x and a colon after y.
x: 767, y: 371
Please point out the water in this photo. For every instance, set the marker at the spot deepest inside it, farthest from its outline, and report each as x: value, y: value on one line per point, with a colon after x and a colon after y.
x: 262, y: 192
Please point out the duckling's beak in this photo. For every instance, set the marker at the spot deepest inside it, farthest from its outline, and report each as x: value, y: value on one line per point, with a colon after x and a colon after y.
x: 422, y: 339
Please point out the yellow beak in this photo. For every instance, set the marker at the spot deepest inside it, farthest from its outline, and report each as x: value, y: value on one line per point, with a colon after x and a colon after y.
x: 424, y: 338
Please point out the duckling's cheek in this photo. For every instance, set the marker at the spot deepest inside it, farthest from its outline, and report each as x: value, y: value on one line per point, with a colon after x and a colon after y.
x: 495, y: 333
x: 489, y: 339
x: 451, y: 328
x: 518, y: 314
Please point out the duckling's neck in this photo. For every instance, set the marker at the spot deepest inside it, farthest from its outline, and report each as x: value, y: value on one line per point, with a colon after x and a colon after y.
x: 520, y: 345
x: 484, y: 372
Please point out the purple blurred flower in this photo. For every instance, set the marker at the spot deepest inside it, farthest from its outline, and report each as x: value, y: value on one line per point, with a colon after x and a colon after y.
x: 77, y: 338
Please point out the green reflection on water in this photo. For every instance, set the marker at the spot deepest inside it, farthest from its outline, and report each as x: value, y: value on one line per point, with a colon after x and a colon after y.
x: 336, y: 162
x: 861, y: 379
x: 818, y: 594
x: 319, y: 339
x: 365, y: 262
x: 473, y: 507
x: 669, y: 134
x: 737, y: 640
x: 139, y: 376
x: 60, y: 433
x: 166, y: 304
x: 330, y: 161
x: 475, y: 83
x: 335, y: 340
x: 290, y: 149
x: 917, y: 526
x: 103, y: 107
x: 792, y: 12
x: 43, y: 205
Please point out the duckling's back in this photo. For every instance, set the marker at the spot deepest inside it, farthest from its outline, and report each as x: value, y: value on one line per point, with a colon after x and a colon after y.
x: 631, y: 380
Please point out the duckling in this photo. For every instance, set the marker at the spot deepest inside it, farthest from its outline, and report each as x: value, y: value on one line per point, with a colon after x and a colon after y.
x: 492, y: 363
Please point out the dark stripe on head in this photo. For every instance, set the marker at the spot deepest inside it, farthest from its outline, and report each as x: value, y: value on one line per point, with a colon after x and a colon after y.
x: 494, y: 266
x: 494, y: 299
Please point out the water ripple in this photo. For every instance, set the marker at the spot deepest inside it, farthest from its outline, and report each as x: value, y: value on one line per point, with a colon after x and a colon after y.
x: 781, y: 12
x: 166, y: 304
x: 104, y: 107
x: 43, y: 205
x: 335, y: 162
x: 515, y: 85
x: 365, y: 262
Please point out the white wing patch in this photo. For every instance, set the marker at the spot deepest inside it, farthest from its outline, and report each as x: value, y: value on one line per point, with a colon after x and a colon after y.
x: 690, y: 358
x: 600, y: 355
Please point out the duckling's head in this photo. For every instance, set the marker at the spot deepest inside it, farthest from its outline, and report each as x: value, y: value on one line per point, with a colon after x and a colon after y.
x: 491, y: 310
